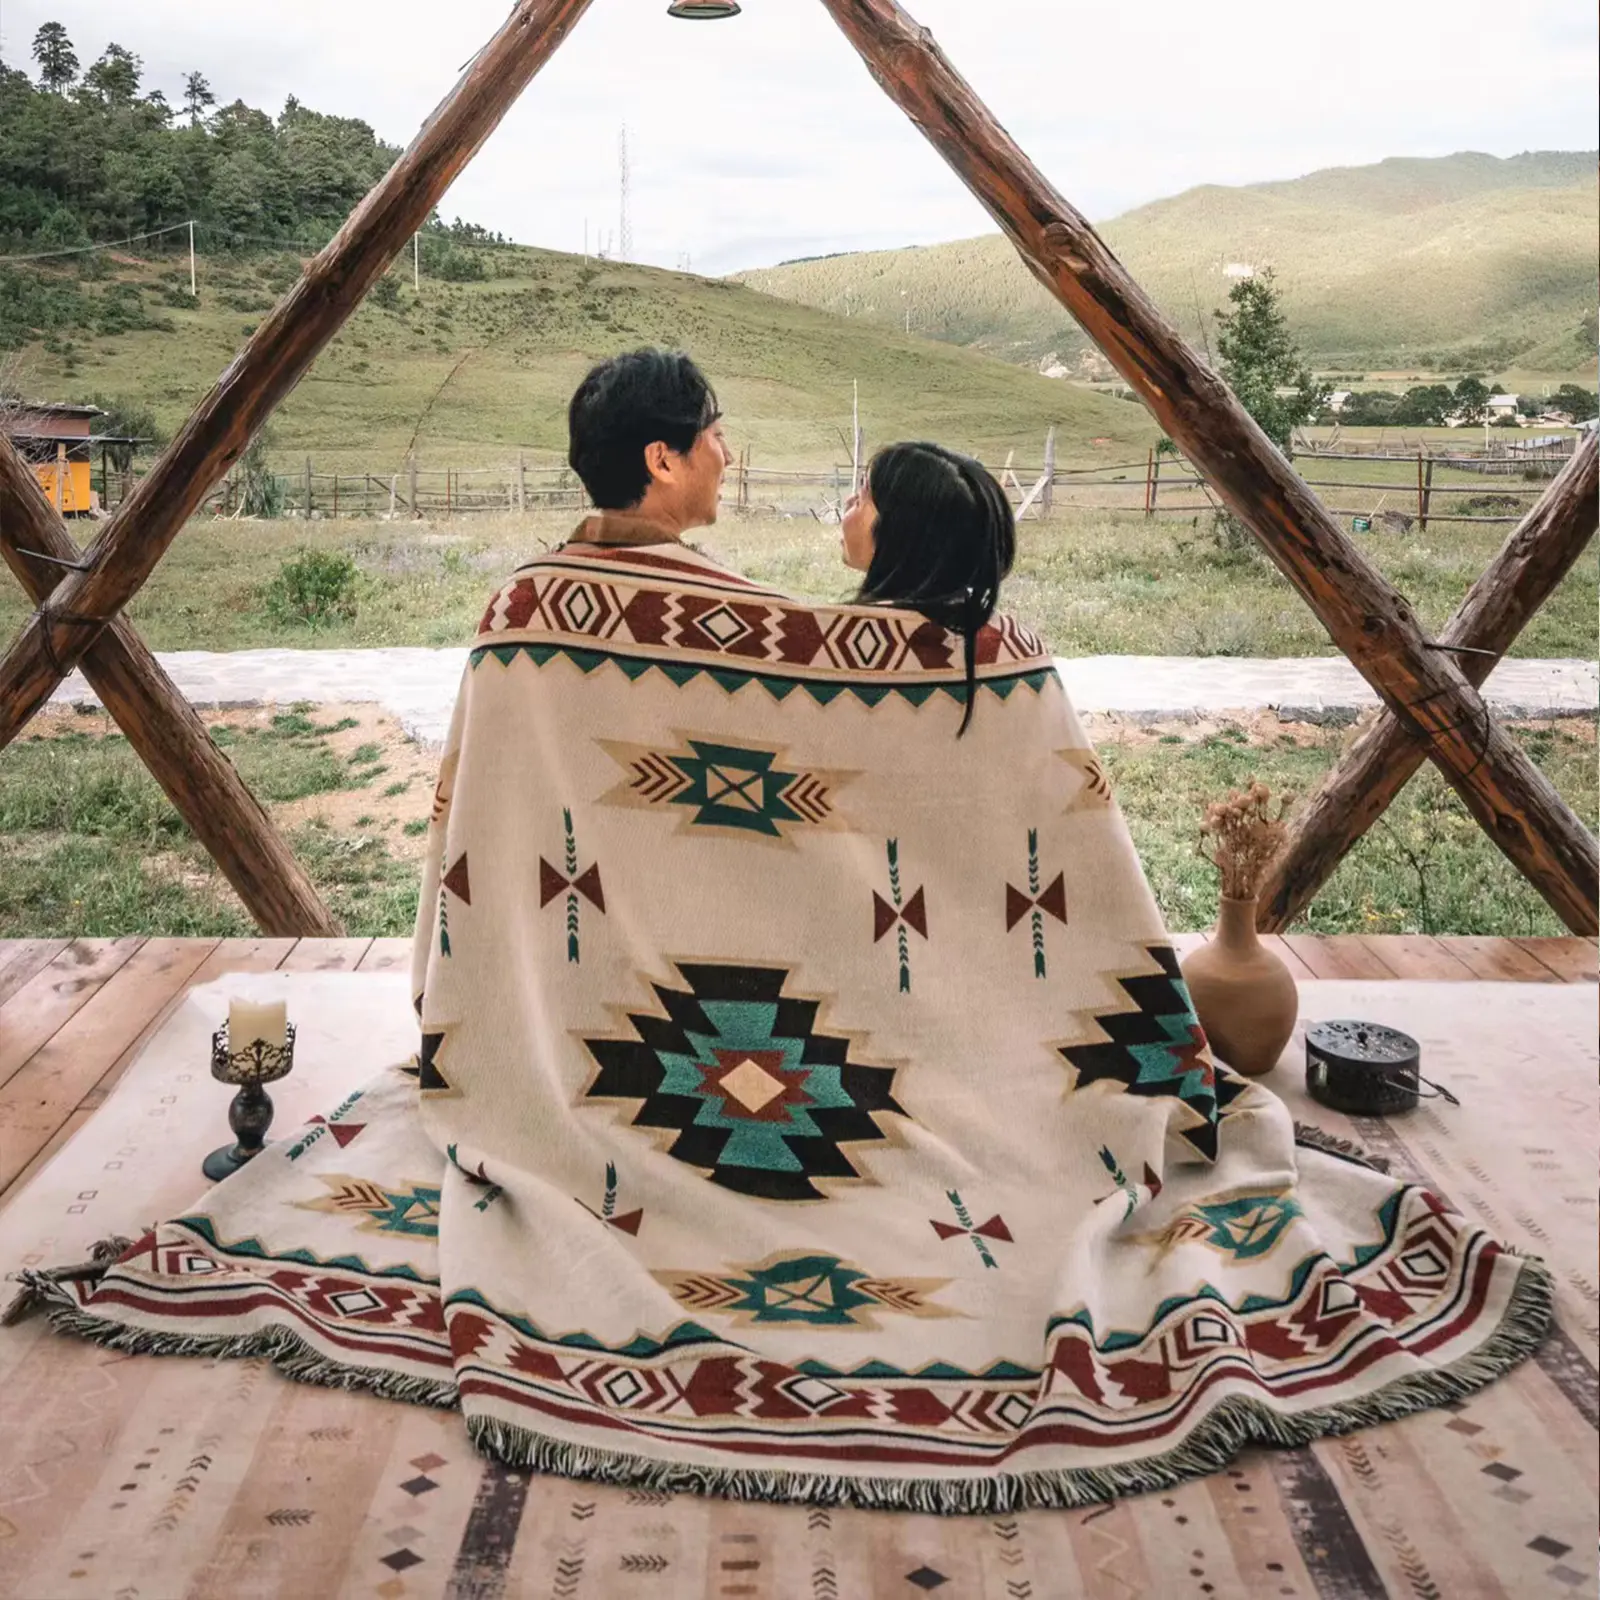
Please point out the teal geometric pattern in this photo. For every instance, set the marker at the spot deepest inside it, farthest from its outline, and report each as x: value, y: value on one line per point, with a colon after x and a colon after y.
x: 1247, y: 1227
x: 758, y: 1098
x: 1159, y: 1049
x: 815, y: 1290
x: 734, y: 788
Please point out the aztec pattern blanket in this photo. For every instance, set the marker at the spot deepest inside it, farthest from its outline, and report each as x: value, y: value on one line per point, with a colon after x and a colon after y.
x: 809, y: 1106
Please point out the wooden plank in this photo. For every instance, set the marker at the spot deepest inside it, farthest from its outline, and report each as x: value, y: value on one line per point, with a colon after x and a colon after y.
x: 1572, y: 960
x: 1364, y: 781
x: 1365, y: 616
x: 1298, y: 969
x: 1337, y: 955
x: 326, y: 955
x: 1187, y: 943
x: 166, y: 732
x: 32, y: 1015
x: 21, y: 958
x: 1416, y: 956
x: 1500, y: 959
x: 230, y: 955
x: 387, y: 955
x: 45, y: 1092
x: 275, y: 358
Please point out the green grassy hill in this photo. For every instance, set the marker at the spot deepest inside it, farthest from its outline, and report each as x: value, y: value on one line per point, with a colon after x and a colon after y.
x: 477, y: 370
x: 1462, y: 261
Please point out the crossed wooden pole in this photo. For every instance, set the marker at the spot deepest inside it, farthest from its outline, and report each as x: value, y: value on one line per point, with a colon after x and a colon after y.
x: 1434, y: 704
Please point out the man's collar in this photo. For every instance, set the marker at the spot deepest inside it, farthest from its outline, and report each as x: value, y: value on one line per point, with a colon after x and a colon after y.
x: 622, y: 528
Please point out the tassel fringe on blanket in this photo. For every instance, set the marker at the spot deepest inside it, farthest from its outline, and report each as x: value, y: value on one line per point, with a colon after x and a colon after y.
x: 808, y: 1105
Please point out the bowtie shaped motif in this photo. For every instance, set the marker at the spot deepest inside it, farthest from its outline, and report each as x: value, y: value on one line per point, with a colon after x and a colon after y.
x: 884, y: 916
x: 587, y: 883
x: 1053, y: 900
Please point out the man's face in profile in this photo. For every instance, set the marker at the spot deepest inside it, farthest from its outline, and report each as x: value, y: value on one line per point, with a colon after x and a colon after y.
x: 702, y: 472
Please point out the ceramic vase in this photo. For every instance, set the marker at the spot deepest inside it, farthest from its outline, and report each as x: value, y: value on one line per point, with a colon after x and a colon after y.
x: 1243, y: 993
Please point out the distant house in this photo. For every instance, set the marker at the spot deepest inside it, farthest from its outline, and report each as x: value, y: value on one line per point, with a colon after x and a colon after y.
x: 1501, y: 405
x: 1337, y: 399
x: 57, y: 441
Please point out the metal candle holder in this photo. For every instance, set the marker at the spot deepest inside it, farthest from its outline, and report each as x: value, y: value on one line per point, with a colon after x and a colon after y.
x: 250, y: 1114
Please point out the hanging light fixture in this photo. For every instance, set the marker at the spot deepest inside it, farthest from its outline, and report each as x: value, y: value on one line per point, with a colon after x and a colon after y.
x: 703, y: 10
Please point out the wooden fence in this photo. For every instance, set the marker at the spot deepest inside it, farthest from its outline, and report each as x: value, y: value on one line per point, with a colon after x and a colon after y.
x: 1160, y: 484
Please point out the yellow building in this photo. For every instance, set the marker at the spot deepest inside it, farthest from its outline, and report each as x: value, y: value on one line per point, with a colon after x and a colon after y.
x: 57, y: 442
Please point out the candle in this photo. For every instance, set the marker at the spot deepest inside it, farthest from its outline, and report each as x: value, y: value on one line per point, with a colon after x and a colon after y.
x: 248, y: 1022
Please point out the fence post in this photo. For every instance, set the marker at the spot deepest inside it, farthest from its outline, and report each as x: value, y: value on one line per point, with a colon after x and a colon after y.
x: 1149, y: 479
x: 394, y: 480
x: 1426, y: 498
x: 447, y: 504
x: 411, y: 469
x: 1155, y: 480
x: 308, y: 488
x: 1047, y: 495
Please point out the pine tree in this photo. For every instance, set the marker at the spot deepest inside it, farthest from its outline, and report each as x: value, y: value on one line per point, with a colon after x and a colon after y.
x: 197, y: 96
x: 58, y: 61
x: 1261, y: 361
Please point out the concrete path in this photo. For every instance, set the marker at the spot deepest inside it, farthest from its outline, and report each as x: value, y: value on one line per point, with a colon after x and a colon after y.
x: 418, y: 686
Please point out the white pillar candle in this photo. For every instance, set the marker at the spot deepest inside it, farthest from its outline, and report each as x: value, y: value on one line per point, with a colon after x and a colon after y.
x: 248, y: 1022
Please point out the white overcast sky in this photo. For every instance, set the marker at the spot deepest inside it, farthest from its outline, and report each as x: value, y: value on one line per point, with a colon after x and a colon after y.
x: 763, y: 137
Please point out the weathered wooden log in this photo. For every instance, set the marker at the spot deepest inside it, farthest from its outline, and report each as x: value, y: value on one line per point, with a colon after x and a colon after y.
x: 275, y: 358
x: 165, y: 731
x: 1368, y: 620
x: 1377, y: 766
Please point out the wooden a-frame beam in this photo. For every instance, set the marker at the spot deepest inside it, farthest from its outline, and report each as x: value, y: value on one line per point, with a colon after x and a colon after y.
x: 1370, y: 622
x: 164, y: 729
x: 1540, y: 552
x: 275, y: 358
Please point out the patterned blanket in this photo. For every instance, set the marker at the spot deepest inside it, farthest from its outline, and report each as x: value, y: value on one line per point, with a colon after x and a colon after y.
x: 809, y: 1105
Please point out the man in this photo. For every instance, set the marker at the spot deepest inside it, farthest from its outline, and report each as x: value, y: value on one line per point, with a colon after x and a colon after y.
x: 647, y: 443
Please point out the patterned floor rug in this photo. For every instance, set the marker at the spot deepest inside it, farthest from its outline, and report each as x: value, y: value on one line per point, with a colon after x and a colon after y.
x: 142, y: 1476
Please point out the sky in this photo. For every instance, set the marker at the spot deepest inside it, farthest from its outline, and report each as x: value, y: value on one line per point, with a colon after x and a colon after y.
x: 762, y: 138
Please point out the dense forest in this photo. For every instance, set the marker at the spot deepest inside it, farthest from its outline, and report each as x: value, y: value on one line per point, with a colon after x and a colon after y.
x: 92, y: 155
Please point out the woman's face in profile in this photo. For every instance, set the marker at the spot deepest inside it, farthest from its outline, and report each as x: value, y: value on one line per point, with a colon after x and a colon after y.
x: 860, y: 518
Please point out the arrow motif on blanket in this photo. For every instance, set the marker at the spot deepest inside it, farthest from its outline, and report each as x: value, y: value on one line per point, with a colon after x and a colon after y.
x: 626, y: 1222
x: 977, y: 1232
x: 552, y: 882
x: 1052, y: 899
x: 912, y: 914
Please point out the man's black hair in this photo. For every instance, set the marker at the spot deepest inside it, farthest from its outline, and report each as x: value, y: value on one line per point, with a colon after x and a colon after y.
x: 625, y: 404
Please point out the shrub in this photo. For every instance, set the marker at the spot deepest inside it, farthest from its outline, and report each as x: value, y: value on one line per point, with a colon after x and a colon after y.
x: 313, y: 589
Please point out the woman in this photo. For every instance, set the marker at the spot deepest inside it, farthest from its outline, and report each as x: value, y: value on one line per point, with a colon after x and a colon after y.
x: 934, y: 533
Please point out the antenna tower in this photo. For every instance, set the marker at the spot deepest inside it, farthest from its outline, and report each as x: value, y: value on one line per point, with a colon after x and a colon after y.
x: 625, y: 230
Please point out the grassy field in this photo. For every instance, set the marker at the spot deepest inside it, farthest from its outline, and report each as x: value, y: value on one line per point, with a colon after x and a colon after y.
x: 1091, y: 583
x: 1465, y: 260
x: 469, y: 373
x: 92, y: 848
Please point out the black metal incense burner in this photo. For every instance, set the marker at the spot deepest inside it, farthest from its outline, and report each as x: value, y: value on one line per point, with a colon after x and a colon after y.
x: 250, y: 1114
x: 1366, y: 1069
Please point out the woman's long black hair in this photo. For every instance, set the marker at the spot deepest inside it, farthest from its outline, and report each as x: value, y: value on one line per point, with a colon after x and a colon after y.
x: 944, y: 540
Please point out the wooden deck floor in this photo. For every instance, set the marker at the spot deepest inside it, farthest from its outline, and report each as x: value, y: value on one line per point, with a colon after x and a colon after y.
x: 73, y: 1013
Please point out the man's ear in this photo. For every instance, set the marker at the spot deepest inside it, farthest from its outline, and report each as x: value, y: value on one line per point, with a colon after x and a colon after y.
x: 657, y: 459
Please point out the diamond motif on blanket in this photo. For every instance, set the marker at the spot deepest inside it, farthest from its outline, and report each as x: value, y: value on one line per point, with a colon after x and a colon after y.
x: 745, y: 1086
x: 355, y: 1302
x: 812, y: 1393
x: 724, y: 626
x: 623, y: 1388
x: 1425, y: 1262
